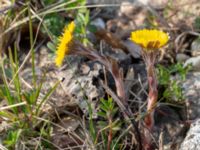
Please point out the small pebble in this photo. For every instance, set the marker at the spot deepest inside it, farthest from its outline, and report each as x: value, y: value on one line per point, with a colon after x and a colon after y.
x: 180, y: 57
x: 99, y: 23
x: 192, y: 140
x: 195, y: 62
x: 195, y: 47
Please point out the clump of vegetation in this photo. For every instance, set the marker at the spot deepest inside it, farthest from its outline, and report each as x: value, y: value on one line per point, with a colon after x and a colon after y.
x: 172, y: 86
x: 25, y: 102
x: 24, y: 106
x: 110, y: 125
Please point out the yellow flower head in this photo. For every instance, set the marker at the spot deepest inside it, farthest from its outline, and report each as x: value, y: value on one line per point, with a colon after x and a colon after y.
x: 64, y: 41
x: 150, y: 39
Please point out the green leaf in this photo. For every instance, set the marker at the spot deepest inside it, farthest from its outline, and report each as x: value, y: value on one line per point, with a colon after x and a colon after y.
x: 114, y: 111
x: 103, y: 124
x: 104, y: 107
x: 12, y: 138
x: 55, y: 23
x: 51, y: 46
x: 197, y: 22
x: 48, y: 2
x: 46, y: 97
x: 102, y: 114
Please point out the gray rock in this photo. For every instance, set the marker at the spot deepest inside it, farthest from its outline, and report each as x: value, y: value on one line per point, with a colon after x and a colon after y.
x: 180, y: 57
x: 133, y: 48
x: 191, y: 88
x: 195, y: 47
x: 195, y: 62
x: 192, y: 140
x: 99, y: 23
x: 126, y: 9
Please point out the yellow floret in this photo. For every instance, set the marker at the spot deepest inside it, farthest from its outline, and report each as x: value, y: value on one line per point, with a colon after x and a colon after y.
x: 150, y: 39
x: 64, y: 41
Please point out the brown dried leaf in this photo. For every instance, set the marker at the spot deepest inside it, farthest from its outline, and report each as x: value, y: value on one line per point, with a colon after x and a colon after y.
x: 111, y: 39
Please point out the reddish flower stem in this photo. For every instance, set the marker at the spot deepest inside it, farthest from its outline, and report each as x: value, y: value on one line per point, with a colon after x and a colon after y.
x: 152, y: 96
x: 151, y: 103
x: 109, y: 135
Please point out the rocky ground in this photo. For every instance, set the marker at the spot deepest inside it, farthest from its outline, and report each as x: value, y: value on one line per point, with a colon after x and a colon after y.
x: 179, y: 127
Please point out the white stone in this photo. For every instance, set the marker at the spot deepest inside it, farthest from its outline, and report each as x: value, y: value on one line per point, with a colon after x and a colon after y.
x: 180, y: 57
x: 126, y: 8
x: 191, y: 88
x: 192, y: 140
x: 195, y: 62
x: 195, y: 47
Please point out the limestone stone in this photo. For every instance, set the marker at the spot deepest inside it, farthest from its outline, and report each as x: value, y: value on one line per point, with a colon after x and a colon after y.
x: 192, y: 140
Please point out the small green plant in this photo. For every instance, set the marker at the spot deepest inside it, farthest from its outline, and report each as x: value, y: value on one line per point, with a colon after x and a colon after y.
x: 109, y: 125
x: 55, y: 23
x: 24, y: 106
x: 82, y: 22
x: 197, y: 23
x: 172, y: 88
x: 12, y: 138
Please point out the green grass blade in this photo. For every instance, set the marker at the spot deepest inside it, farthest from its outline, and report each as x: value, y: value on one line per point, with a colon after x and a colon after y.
x: 46, y: 97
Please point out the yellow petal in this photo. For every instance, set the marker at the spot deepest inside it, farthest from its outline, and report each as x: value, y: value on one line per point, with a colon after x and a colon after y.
x: 64, y: 41
x: 150, y: 39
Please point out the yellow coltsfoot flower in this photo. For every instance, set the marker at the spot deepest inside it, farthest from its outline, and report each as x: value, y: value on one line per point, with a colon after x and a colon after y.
x: 150, y: 39
x: 64, y: 41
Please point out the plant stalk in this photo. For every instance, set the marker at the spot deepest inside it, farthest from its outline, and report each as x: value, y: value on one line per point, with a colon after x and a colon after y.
x: 110, y: 135
x: 152, y: 96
